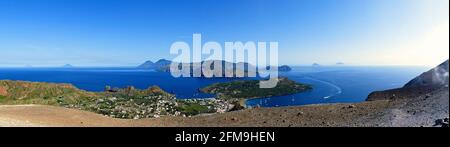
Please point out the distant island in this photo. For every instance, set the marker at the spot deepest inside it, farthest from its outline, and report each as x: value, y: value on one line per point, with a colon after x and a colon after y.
x: 284, y: 68
x: 163, y: 65
x: 250, y: 89
x: 67, y: 66
x: 315, y: 64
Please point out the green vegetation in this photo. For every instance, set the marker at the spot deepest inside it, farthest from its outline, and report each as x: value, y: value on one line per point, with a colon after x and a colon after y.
x: 194, y: 108
x: 2, y: 98
x: 127, y: 103
x: 134, y: 106
x: 20, y: 92
x: 250, y: 89
x: 132, y: 103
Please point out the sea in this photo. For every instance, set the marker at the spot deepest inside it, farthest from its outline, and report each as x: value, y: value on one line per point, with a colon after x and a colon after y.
x: 331, y: 84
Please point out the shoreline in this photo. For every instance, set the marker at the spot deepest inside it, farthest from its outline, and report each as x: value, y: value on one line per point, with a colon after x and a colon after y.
x: 415, y: 111
x: 242, y: 101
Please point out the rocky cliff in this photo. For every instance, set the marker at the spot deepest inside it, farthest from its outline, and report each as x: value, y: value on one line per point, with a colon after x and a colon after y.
x: 432, y: 80
x: 435, y: 77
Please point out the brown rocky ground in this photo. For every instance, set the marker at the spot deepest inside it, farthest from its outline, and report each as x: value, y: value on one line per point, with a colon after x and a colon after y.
x: 3, y: 91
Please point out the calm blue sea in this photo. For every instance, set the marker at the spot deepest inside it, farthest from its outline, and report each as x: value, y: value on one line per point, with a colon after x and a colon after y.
x: 331, y: 84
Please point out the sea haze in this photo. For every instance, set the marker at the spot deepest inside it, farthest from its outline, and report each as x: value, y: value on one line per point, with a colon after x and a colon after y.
x: 331, y: 84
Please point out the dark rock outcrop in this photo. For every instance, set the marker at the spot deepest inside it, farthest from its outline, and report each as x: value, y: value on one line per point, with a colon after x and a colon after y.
x: 435, y: 77
x: 284, y: 68
x: 432, y: 80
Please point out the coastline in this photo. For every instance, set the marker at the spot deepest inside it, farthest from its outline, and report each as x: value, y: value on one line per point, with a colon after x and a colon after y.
x: 421, y: 103
x: 414, y: 112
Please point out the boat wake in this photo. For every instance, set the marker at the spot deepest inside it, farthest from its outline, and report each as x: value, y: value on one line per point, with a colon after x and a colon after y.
x: 338, y: 89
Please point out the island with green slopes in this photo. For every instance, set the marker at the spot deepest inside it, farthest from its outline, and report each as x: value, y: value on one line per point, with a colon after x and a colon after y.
x: 124, y: 103
x: 246, y: 89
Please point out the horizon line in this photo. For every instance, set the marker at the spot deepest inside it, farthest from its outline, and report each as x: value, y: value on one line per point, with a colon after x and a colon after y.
x: 293, y: 65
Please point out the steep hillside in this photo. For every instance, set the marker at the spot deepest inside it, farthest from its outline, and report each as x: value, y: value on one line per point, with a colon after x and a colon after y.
x: 424, y: 101
x: 427, y: 82
x: 21, y: 92
x: 126, y: 103
x: 435, y: 77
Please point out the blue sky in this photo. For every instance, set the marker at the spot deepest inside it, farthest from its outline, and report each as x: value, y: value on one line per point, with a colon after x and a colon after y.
x: 129, y: 32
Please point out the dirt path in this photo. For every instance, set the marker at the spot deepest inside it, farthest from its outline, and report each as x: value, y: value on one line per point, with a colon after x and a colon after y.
x: 317, y: 115
x: 37, y: 115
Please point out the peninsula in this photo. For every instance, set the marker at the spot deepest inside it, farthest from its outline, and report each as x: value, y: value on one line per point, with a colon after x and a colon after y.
x: 246, y: 89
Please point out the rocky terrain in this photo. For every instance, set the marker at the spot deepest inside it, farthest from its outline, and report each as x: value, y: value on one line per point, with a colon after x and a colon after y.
x: 435, y: 77
x: 423, y: 101
x: 384, y: 113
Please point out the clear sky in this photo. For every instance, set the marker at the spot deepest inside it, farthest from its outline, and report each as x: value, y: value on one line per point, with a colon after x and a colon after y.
x: 129, y: 32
